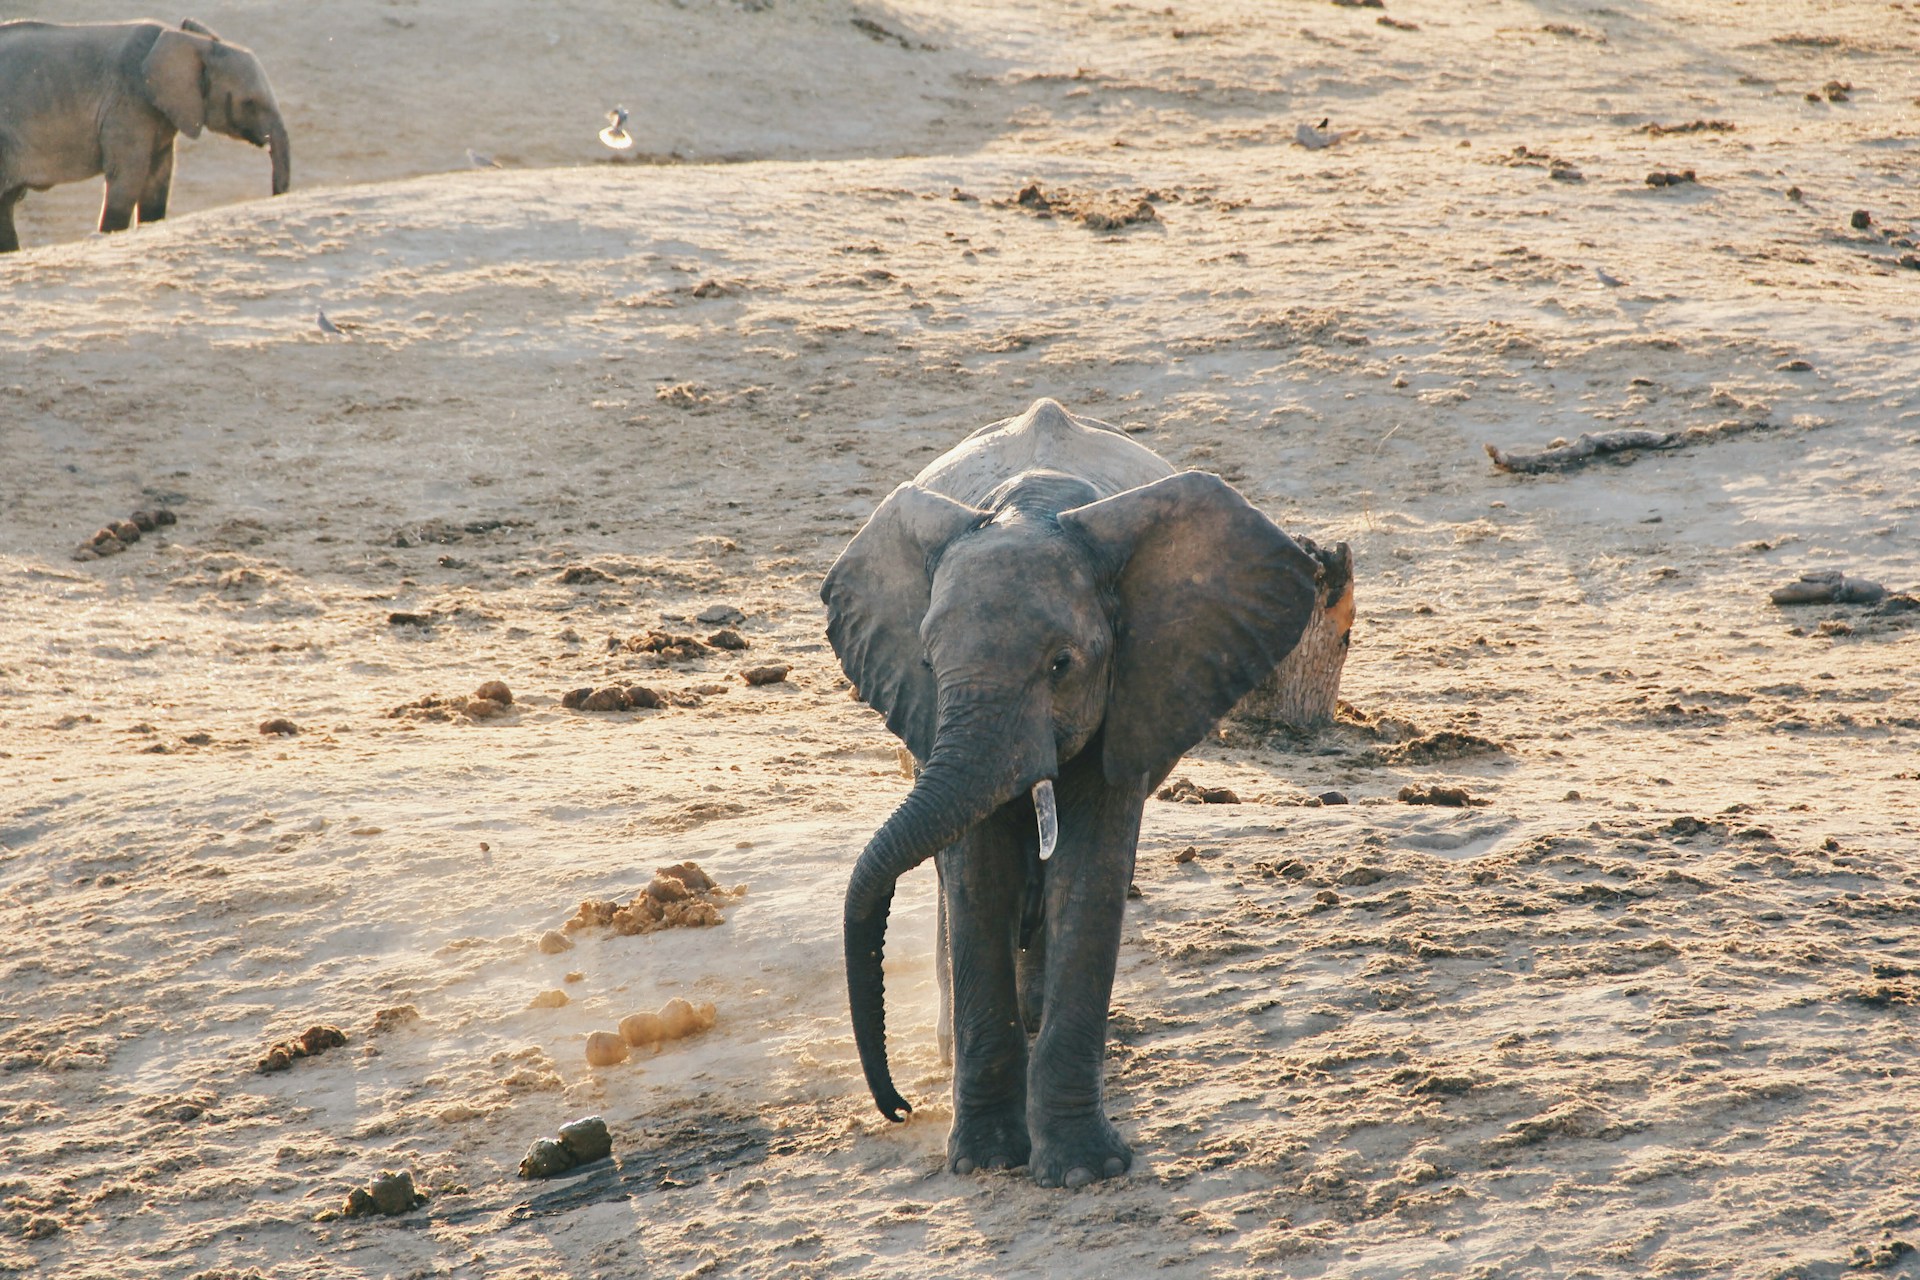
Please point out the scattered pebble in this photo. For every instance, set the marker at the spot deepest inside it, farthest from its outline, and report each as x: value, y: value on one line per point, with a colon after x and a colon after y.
x: 1861, y: 220
x: 728, y: 639
x: 774, y: 674
x: 311, y: 1043
x: 278, y: 725
x: 553, y: 942
x: 495, y: 691
x: 1662, y: 178
x: 554, y: 999
x: 1187, y: 854
x: 1331, y: 797
x: 720, y: 615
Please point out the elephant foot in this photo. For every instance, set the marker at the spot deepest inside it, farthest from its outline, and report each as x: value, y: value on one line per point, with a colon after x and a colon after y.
x: 1072, y: 1153
x: 989, y: 1138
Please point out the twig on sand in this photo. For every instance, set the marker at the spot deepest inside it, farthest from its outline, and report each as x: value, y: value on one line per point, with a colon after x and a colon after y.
x: 1566, y: 457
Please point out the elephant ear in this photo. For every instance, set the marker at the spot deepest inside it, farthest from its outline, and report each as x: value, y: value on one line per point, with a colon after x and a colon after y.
x: 877, y: 595
x: 199, y: 29
x: 175, y: 75
x: 1210, y: 595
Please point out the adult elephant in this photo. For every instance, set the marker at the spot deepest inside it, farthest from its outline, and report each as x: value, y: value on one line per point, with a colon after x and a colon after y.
x: 85, y: 99
x: 1049, y: 616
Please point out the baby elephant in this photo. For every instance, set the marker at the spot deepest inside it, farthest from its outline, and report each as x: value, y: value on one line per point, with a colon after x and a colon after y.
x: 1048, y: 616
x: 78, y: 100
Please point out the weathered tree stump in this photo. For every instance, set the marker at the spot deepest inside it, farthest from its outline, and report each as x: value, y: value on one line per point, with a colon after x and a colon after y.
x: 1302, y: 690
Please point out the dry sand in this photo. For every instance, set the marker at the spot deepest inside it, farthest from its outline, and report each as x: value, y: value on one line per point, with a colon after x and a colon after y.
x: 1650, y: 1010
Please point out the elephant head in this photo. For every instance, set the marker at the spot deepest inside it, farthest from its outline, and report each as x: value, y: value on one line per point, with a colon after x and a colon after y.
x: 197, y: 80
x: 1002, y: 641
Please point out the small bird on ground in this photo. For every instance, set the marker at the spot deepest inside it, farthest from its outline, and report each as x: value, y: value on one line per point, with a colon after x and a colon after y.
x: 480, y: 160
x: 1612, y: 282
x: 327, y: 326
x: 1316, y: 137
x: 615, y: 135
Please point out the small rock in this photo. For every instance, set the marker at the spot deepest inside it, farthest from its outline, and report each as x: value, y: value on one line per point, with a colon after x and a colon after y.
x: 164, y: 516
x: 125, y: 530
x: 572, y: 698
x: 641, y: 698
x: 1331, y: 797
x: 720, y: 615
x: 1861, y: 220
x: 587, y: 1139
x: 728, y: 639
x: 85, y: 552
x: 495, y: 691
x: 607, y: 1049
x: 278, y: 725
x: 553, y: 942
x: 402, y: 619
x: 680, y: 1019
x: 773, y: 674
x: 105, y: 544
x: 554, y: 999
x: 145, y: 520
x: 1187, y: 854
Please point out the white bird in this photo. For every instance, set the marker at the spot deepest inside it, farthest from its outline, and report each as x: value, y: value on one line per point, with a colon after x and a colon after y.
x: 327, y: 326
x: 480, y: 161
x: 615, y: 134
x: 1318, y: 137
x: 1612, y: 282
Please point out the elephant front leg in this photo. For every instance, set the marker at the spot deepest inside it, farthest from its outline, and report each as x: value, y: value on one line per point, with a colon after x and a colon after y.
x: 153, y: 199
x: 9, y: 240
x: 128, y: 163
x: 1073, y: 1141
x: 982, y: 878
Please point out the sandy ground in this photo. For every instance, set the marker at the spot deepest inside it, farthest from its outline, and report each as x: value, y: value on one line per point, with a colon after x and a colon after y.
x: 1648, y: 1010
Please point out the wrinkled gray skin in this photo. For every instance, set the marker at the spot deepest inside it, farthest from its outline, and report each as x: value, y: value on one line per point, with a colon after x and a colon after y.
x: 81, y: 100
x: 1046, y: 601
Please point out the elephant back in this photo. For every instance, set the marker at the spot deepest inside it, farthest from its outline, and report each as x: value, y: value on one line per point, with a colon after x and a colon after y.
x: 1045, y: 437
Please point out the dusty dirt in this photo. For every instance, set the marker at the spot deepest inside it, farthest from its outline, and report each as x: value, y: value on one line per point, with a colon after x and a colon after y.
x: 1650, y: 1011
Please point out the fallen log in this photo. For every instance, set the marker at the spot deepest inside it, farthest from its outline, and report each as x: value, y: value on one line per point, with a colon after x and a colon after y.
x: 1594, y: 444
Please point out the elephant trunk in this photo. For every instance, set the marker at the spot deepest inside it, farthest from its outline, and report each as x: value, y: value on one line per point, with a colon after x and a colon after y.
x: 282, y: 161
x: 952, y: 794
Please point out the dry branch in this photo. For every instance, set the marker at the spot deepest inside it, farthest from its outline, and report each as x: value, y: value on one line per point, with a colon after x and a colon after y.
x: 1590, y: 445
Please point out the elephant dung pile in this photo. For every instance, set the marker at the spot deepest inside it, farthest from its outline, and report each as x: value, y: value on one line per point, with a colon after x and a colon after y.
x: 389, y: 1195
x: 681, y: 896
x: 311, y: 1043
x: 677, y: 1020
x: 581, y: 1142
x: 117, y: 535
x: 491, y: 699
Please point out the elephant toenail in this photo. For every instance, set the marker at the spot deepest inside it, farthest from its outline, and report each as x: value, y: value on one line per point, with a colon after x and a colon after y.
x: 997, y: 1162
x: 963, y: 1165
x: 1078, y: 1177
x: 1048, y: 1179
x: 1115, y: 1166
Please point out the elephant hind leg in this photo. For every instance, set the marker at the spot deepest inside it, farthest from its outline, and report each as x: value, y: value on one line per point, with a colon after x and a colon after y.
x: 9, y: 240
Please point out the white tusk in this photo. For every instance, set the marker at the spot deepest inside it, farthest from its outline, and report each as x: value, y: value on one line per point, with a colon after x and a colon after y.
x: 1049, y: 816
